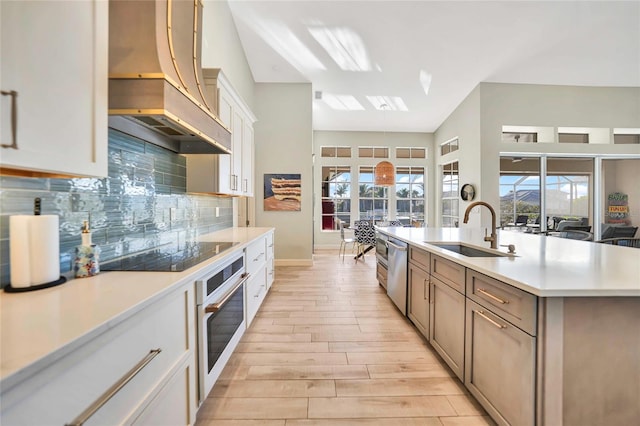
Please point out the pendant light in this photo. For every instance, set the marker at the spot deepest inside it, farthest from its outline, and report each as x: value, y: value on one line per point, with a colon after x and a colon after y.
x: 384, y: 172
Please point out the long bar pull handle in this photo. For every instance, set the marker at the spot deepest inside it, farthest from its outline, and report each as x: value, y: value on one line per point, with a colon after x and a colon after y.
x: 215, y: 307
x: 497, y: 324
x: 424, y: 292
x: 397, y: 247
x: 14, y: 118
x: 491, y: 296
x: 109, y: 393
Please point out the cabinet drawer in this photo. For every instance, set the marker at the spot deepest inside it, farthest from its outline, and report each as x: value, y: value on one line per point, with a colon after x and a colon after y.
x: 448, y: 272
x: 59, y: 393
x: 256, y: 255
x: 381, y: 274
x: 516, y: 306
x: 255, y: 292
x: 270, y: 248
x: 420, y: 258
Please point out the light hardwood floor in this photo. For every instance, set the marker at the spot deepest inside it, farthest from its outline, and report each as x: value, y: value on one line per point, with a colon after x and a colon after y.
x: 328, y: 347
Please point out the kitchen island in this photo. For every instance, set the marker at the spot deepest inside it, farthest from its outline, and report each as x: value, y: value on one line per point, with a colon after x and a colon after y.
x: 91, y: 325
x: 547, y: 335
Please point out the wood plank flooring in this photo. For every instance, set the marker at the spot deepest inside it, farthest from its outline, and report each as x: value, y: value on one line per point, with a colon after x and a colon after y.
x: 328, y: 347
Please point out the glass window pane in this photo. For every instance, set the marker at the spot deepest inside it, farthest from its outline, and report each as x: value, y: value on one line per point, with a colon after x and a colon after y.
x: 328, y: 151
x: 344, y: 152
x: 418, y: 153
x: 402, y: 190
x: 365, y: 152
x: 403, y: 152
x: 379, y: 152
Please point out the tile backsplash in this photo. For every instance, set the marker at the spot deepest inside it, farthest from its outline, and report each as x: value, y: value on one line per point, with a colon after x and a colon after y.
x: 141, y: 204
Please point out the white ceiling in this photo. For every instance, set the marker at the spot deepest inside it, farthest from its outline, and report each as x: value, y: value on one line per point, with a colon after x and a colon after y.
x: 459, y: 44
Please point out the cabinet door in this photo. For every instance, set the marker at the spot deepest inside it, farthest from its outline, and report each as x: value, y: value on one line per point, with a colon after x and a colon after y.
x: 418, y: 311
x: 55, y: 57
x: 447, y: 325
x: 255, y: 293
x: 500, y: 366
x: 247, y: 159
x: 236, y: 156
x: 225, y: 164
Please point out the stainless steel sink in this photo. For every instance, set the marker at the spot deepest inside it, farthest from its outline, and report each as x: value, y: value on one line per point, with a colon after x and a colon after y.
x: 466, y: 250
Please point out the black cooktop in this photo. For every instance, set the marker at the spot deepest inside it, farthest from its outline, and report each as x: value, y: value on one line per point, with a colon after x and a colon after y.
x: 167, y: 258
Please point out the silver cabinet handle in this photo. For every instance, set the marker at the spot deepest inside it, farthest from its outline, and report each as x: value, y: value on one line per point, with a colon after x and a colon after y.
x: 483, y: 315
x: 215, y: 307
x: 258, y: 257
x: 14, y: 118
x: 491, y: 296
x: 245, y: 185
x: 105, y: 397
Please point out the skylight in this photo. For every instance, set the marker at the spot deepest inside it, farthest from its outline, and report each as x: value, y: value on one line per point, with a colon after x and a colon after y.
x: 425, y: 81
x: 344, y: 46
x: 342, y: 102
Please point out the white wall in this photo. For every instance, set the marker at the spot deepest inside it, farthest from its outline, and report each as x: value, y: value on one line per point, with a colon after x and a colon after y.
x: 481, y: 116
x: 283, y: 144
x: 221, y: 48
x: 463, y: 123
x: 354, y: 140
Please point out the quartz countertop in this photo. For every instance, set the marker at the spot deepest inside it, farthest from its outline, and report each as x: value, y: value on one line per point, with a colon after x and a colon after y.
x: 542, y: 265
x: 42, y: 326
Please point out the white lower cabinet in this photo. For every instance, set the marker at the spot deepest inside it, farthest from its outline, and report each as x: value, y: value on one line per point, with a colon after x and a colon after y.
x: 259, y: 263
x: 270, y: 259
x: 500, y: 366
x: 447, y: 325
x: 70, y: 390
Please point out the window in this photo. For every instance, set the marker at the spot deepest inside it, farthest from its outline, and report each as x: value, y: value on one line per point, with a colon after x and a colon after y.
x: 411, y: 153
x: 519, y: 190
x: 336, y: 195
x: 374, y: 202
x: 410, y: 195
x: 519, y: 137
x: 626, y: 139
x: 373, y: 152
x: 450, y: 184
x: 573, y: 138
x: 336, y: 151
x: 449, y: 146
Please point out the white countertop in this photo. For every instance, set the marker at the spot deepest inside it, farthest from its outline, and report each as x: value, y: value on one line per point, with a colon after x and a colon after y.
x: 41, y: 326
x: 544, y: 266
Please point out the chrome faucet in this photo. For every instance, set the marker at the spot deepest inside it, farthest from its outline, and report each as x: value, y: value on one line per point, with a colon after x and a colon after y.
x: 494, y: 236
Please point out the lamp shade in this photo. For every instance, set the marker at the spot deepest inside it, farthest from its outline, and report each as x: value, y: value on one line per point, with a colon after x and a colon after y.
x: 384, y: 174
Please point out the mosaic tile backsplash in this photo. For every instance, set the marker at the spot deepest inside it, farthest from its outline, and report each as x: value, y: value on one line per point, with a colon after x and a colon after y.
x: 141, y: 205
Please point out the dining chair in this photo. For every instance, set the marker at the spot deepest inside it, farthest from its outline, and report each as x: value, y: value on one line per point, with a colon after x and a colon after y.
x: 365, y: 235
x: 621, y: 241
x: 344, y: 241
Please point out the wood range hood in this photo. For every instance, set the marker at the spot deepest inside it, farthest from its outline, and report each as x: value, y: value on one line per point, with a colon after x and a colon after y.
x: 155, y: 76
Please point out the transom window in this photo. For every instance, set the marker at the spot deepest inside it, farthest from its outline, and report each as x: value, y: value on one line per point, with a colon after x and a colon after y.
x: 449, y: 146
x: 373, y: 152
x: 411, y: 153
x: 336, y: 151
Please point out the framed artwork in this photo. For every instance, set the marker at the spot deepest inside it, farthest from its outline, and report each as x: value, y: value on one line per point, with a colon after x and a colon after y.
x: 282, y: 192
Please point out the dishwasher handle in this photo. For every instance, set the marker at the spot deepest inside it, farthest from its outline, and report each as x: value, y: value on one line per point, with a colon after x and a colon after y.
x: 397, y: 247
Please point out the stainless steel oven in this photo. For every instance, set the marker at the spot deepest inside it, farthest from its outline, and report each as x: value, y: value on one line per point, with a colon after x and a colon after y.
x: 221, y: 319
x: 382, y: 258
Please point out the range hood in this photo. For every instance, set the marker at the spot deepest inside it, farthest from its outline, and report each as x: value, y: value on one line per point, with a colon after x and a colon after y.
x: 155, y: 74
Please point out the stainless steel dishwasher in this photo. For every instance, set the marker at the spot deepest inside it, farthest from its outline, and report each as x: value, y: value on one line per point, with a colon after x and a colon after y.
x: 397, y: 277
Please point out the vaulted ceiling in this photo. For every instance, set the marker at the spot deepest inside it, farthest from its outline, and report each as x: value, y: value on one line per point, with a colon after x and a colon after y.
x: 422, y: 58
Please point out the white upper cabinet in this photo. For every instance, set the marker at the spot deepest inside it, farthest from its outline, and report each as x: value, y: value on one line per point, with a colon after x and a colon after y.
x: 221, y: 173
x: 53, y: 76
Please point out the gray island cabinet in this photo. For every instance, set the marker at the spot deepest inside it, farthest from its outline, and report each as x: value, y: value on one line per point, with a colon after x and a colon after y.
x: 546, y: 337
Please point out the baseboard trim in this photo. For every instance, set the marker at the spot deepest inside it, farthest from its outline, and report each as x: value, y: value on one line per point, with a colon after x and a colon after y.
x: 294, y: 262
